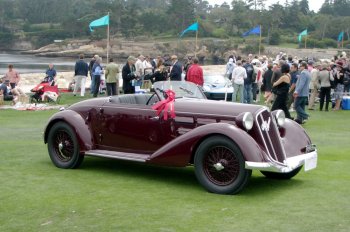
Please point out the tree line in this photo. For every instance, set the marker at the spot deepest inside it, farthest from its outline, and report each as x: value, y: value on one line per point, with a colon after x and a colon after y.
x: 42, y: 21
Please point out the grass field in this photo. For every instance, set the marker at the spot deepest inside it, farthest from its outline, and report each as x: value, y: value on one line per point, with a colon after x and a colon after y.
x: 109, y: 195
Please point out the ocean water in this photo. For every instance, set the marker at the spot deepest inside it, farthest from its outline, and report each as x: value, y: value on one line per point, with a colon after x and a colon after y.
x: 32, y: 64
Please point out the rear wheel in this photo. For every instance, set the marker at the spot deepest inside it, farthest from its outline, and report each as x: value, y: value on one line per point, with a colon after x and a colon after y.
x: 63, y: 146
x: 281, y: 176
x: 220, y: 166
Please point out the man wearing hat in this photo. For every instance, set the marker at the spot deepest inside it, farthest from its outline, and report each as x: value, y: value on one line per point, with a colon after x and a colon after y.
x: 301, y: 93
x: 91, y: 65
x: 128, y: 75
x: 176, y: 69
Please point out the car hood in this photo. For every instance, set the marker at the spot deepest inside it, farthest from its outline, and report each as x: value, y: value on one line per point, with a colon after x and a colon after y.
x: 211, y: 107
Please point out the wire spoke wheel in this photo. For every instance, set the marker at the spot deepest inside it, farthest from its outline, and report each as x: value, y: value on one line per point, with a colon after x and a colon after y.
x: 63, y: 146
x: 220, y: 166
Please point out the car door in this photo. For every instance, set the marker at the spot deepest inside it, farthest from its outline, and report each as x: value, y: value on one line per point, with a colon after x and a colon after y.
x: 129, y: 128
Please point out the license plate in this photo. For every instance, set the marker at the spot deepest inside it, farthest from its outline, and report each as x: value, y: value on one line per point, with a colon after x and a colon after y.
x: 310, y: 163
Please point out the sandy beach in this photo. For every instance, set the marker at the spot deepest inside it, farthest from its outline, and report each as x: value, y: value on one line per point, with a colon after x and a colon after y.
x: 30, y: 80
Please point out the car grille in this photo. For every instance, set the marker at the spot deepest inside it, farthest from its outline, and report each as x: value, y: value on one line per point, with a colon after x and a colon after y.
x: 270, y: 139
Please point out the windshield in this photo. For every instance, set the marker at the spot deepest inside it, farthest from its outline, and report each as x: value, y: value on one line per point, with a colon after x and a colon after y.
x: 181, y: 89
x: 215, y: 79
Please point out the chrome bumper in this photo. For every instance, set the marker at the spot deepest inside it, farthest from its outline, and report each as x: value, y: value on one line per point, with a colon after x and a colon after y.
x: 309, y: 160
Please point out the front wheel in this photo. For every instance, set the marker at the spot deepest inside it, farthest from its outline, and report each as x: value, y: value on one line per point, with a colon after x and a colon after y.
x: 220, y: 166
x: 63, y: 146
x: 281, y: 176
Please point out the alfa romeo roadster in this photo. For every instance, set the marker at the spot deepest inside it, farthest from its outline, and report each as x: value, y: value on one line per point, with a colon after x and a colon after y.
x: 177, y: 126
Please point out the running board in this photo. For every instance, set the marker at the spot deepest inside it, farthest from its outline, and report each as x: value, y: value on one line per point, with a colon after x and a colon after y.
x: 118, y: 155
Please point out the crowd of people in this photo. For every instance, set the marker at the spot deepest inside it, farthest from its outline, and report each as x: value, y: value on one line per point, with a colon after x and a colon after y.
x: 289, y: 83
x: 285, y: 82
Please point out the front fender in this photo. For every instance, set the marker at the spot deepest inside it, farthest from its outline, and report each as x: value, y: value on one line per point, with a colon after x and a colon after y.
x: 179, y: 151
x: 294, y: 138
x: 77, y: 123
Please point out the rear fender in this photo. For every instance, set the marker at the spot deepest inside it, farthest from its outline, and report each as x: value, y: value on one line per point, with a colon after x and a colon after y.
x: 180, y: 151
x: 77, y: 123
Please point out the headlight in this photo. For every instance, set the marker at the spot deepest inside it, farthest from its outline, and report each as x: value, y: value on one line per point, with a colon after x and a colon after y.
x: 206, y: 88
x: 245, y: 120
x: 280, y: 117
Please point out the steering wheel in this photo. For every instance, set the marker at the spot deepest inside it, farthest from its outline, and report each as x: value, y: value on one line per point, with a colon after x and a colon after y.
x: 148, y: 101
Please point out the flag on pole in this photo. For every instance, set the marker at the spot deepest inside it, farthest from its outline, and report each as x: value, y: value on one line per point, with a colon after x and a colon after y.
x: 340, y: 36
x: 254, y: 31
x: 104, y: 21
x: 193, y: 27
x: 303, y: 33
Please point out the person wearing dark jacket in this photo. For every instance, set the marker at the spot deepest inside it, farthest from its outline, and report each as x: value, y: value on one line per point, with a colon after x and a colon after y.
x: 91, y: 65
x: 128, y: 75
x: 160, y: 73
x: 80, y: 75
x: 281, y: 89
x: 267, y: 81
x: 176, y: 70
x: 248, y: 82
x: 339, y: 84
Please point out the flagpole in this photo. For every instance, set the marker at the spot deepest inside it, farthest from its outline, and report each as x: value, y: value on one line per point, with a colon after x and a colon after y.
x: 195, y: 50
x: 342, y: 41
x: 305, y: 40
x: 260, y: 41
x: 108, y: 39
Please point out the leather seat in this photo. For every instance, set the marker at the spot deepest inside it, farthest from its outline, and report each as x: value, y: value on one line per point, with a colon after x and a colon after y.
x: 135, y: 99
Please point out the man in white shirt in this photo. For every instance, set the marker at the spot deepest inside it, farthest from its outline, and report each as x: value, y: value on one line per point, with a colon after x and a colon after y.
x: 139, y: 66
x: 238, y: 76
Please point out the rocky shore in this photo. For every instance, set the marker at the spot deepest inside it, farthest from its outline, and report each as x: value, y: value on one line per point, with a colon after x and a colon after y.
x: 215, y: 50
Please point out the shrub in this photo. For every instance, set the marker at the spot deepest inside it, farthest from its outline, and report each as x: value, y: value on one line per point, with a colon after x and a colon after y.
x: 6, y: 39
x: 220, y: 33
x: 275, y: 38
x: 253, y: 48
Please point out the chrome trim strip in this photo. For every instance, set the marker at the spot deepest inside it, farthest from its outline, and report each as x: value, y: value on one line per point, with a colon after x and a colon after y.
x: 279, y: 138
x: 115, y: 157
x: 289, y: 164
x: 259, y: 114
x: 262, y: 136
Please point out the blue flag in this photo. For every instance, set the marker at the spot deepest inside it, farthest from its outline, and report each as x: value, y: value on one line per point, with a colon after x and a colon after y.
x: 340, y: 36
x: 104, y: 21
x: 193, y: 27
x: 254, y: 31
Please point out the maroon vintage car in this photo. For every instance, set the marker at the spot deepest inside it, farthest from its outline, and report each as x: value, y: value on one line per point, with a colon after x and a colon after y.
x: 224, y: 141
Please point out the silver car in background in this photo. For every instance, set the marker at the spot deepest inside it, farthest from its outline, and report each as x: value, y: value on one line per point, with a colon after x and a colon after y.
x: 217, y: 87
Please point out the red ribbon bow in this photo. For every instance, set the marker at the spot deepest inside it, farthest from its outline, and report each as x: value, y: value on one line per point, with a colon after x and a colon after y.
x: 166, y: 104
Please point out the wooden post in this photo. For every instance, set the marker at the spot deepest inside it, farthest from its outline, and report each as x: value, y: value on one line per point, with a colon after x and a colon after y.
x: 260, y: 41
x: 108, y: 40
x: 195, y: 50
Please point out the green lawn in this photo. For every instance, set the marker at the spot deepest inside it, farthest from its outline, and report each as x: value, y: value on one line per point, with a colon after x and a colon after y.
x: 110, y: 195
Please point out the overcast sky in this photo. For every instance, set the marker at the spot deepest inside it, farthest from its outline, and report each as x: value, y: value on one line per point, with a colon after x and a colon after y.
x: 314, y: 5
